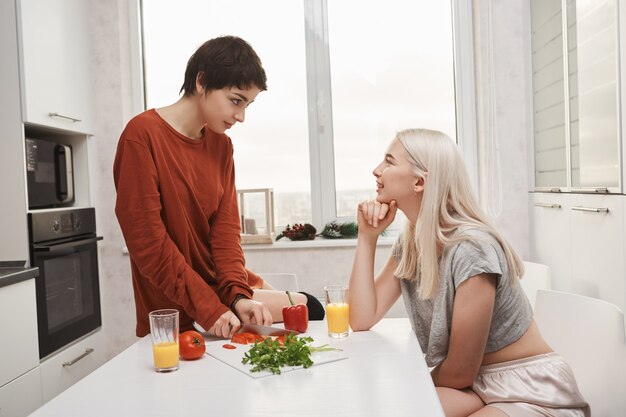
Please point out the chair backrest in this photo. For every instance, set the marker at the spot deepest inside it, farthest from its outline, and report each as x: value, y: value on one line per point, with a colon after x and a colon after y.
x: 281, y: 280
x: 589, y: 334
x: 536, y: 277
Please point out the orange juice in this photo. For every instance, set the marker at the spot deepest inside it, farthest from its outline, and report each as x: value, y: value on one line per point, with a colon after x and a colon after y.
x: 337, y: 317
x: 165, y: 355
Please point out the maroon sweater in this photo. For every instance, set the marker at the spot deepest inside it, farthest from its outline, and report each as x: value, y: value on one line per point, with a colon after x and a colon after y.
x: 177, y: 208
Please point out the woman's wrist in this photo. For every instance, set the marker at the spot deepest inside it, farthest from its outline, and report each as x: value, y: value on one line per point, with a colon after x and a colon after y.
x: 368, y: 239
x: 238, y: 298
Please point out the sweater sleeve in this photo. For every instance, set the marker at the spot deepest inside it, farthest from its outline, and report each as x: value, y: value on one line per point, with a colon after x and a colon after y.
x: 158, y: 259
x: 225, y: 242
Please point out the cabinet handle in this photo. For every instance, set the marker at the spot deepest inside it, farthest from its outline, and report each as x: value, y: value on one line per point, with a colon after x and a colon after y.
x: 548, y: 205
x: 591, y: 209
x: 73, y: 119
x: 548, y: 189
x: 73, y: 361
x: 593, y: 190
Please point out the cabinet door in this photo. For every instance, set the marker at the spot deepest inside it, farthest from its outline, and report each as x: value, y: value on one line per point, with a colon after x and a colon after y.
x: 18, y: 322
x: 550, y: 236
x: 592, y: 42
x: 548, y: 94
x: 72, y: 364
x: 598, y: 247
x: 22, y: 396
x: 55, y: 55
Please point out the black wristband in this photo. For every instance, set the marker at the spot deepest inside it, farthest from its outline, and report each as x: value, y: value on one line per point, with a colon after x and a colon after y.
x: 235, y: 301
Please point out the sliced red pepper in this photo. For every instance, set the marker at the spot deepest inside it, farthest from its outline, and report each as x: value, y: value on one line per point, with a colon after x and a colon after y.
x: 239, y: 338
x: 296, y: 316
x: 229, y: 346
x: 281, y: 340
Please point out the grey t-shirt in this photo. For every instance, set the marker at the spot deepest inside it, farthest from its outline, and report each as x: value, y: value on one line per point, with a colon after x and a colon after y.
x: 431, y: 319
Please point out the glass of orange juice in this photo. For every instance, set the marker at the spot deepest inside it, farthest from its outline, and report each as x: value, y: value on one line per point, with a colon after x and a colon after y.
x: 164, y: 332
x: 337, y: 310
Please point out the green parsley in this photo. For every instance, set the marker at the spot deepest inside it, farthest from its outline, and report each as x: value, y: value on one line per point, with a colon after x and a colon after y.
x: 271, y: 355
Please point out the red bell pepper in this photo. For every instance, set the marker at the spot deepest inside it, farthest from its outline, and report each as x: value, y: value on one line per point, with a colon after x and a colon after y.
x: 296, y: 316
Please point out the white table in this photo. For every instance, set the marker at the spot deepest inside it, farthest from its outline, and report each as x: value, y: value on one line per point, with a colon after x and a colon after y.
x: 384, y: 375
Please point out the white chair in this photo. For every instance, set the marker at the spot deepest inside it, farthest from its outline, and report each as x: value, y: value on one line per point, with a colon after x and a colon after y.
x: 536, y: 277
x: 589, y: 334
x: 281, y: 281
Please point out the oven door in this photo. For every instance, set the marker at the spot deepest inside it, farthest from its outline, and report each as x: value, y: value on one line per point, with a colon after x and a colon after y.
x: 68, y: 293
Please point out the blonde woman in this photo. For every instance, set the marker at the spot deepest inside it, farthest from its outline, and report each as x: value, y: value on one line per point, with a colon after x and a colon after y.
x: 459, y: 280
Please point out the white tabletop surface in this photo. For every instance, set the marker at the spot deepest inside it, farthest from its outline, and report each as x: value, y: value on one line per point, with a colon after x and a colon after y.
x: 384, y: 375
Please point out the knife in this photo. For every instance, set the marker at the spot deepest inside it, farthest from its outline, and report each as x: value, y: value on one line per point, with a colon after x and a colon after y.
x: 264, y: 330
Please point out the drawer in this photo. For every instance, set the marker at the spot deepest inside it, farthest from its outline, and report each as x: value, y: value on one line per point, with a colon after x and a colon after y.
x: 21, y: 396
x: 70, y: 365
x: 18, y: 321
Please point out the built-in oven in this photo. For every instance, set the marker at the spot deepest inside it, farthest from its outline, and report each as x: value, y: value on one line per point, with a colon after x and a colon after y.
x: 63, y: 245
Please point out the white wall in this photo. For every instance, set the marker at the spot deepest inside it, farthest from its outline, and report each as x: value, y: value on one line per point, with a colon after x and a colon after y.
x: 113, y: 108
x: 503, y: 90
x: 315, y: 267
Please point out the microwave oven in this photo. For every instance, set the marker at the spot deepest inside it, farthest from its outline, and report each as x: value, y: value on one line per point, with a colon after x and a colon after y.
x: 49, y: 174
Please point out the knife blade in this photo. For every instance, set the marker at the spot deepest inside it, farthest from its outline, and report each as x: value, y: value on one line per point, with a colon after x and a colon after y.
x: 264, y: 330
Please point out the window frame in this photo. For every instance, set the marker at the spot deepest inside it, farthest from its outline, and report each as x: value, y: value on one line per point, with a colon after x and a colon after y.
x: 321, y: 145
x: 319, y: 97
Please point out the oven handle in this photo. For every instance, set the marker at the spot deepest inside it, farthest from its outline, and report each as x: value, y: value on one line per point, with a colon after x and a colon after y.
x: 66, y: 245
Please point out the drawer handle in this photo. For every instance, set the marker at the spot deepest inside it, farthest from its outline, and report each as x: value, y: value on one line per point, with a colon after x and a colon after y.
x: 591, y: 209
x: 73, y: 361
x: 548, y: 205
x: 63, y: 116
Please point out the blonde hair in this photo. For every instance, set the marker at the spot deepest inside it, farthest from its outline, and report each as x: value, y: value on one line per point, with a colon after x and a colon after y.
x: 447, y: 204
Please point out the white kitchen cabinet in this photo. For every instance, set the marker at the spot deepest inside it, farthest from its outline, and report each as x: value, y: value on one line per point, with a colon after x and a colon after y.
x: 594, y: 122
x: 21, y: 396
x: 55, y: 63
x: 63, y: 369
x: 549, y: 122
x: 18, y: 323
x: 551, y: 236
x: 598, y: 247
x: 14, y: 237
x: 576, y: 91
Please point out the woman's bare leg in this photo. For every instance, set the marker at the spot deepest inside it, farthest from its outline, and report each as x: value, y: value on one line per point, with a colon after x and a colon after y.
x: 276, y: 300
x: 459, y: 403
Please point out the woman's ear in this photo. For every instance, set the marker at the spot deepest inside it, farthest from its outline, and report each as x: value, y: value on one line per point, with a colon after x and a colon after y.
x: 199, y: 84
x: 418, y: 187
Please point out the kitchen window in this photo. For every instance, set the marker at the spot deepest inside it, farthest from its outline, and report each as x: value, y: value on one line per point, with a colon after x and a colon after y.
x: 343, y: 77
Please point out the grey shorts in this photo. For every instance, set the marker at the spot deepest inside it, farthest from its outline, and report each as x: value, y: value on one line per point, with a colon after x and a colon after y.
x: 542, y: 385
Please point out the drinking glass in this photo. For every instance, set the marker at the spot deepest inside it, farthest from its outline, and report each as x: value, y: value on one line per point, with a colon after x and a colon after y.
x: 164, y: 331
x: 337, y: 310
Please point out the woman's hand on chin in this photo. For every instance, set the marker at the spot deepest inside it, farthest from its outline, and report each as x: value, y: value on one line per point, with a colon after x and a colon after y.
x: 374, y: 217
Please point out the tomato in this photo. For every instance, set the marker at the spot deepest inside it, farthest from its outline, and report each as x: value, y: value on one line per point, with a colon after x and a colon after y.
x: 281, y: 340
x: 229, y: 346
x: 191, y: 345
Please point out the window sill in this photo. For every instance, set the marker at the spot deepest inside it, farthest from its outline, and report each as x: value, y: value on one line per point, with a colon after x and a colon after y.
x: 319, y: 242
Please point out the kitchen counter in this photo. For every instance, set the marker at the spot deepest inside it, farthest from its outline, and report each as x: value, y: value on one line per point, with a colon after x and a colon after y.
x: 12, y: 272
x: 384, y: 375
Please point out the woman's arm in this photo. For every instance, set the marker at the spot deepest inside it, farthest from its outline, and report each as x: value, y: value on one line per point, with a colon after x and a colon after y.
x: 370, y: 298
x: 471, y: 320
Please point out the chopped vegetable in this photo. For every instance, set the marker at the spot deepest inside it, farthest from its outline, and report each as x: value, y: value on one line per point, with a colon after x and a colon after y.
x: 271, y: 354
x: 229, y: 346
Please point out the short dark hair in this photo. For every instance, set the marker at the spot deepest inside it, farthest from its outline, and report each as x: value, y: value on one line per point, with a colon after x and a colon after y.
x: 226, y: 61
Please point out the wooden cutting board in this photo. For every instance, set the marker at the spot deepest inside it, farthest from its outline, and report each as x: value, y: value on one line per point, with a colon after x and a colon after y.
x: 233, y: 357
